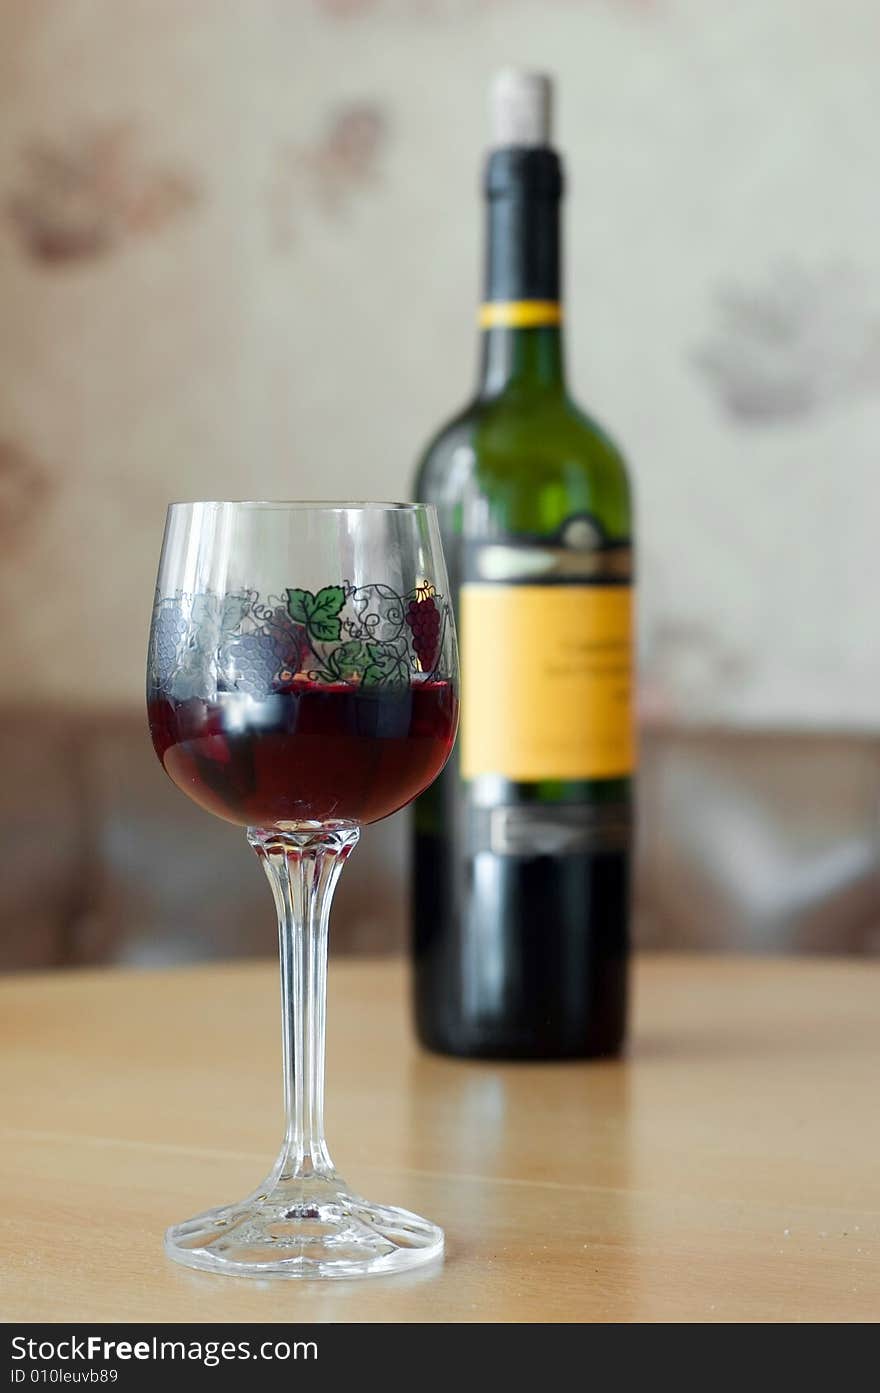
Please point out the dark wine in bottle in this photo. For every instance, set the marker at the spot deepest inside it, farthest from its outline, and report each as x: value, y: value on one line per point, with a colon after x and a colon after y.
x: 522, y: 846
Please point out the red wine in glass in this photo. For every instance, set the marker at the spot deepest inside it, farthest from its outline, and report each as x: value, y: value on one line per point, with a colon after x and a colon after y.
x: 314, y: 752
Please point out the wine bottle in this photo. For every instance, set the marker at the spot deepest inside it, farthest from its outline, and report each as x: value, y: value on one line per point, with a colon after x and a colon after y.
x: 522, y: 847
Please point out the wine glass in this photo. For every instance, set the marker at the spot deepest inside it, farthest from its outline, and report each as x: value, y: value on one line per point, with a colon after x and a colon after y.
x: 302, y: 681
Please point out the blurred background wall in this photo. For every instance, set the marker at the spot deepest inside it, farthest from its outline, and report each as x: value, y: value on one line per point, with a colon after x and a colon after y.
x: 239, y: 256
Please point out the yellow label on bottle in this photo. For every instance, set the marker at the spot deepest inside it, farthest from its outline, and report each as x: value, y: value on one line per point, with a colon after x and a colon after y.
x: 546, y: 681
x: 519, y: 314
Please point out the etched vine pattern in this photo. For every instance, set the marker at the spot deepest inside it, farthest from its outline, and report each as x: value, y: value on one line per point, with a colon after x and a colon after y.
x: 365, y: 636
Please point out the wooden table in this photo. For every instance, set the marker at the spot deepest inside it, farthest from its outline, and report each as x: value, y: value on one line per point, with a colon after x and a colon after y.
x: 730, y: 1170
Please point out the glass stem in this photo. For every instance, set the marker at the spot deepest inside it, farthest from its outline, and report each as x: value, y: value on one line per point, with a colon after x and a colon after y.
x: 302, y: 867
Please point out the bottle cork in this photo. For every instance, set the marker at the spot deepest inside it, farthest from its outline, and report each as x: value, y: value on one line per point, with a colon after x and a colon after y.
x: 520, y: 108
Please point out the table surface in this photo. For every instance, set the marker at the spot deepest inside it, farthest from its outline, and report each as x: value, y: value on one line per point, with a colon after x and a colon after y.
x: 726, y: 1171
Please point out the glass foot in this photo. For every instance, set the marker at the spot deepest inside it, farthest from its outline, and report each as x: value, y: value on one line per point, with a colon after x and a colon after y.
x: 317, y: 1231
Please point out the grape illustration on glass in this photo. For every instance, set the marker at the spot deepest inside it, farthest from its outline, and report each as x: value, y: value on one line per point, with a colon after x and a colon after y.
x: 302, y: 682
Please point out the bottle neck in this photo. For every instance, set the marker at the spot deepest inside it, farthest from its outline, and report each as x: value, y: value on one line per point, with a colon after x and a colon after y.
x: 530, y: 359
x: 521, y: 314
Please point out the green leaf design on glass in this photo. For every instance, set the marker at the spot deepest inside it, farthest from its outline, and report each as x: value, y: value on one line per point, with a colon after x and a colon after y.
x: 387, y: 667
x: 299, y: 604
x: 350, y: 659
x: 319, y: 613
x: 373, y: 664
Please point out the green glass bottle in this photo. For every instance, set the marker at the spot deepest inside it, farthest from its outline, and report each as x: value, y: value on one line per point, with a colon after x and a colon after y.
x: 522, y: 847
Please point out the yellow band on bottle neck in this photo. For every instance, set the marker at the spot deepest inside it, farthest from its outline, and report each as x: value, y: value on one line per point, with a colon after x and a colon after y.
x: 519, y: 314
